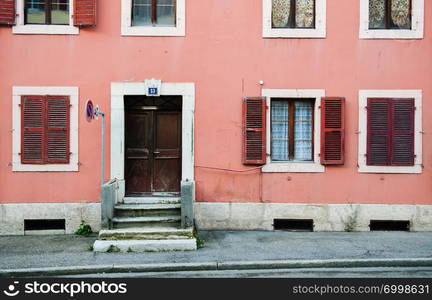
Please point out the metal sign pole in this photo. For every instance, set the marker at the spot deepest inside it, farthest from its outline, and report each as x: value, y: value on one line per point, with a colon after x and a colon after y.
x: 103, y: 148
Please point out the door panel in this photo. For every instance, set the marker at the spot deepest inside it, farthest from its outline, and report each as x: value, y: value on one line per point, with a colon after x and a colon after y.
x: 153, y: 151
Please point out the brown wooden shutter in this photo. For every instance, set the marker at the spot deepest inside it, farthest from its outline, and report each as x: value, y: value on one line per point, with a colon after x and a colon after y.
x: 85, y: 13
x: 379, y: 132
x: 32, y: 129
x: 7, y: 12
x: 332, y: 130
x: 402, y: 132
x: 254, y: 130
x: 57, y: 130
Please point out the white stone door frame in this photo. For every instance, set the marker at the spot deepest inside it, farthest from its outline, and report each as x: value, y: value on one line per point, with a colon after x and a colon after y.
x: 121, y: 89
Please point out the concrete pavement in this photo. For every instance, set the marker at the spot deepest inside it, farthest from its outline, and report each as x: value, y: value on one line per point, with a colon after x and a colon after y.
x: 238, y: 249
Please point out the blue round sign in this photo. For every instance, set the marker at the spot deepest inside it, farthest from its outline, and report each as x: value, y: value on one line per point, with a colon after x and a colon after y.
x: 89, y: 110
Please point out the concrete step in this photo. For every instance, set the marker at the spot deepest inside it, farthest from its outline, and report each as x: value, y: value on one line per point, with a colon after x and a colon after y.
x: 152, y: 200
x: 146, y: 234
x: 144, y: 210
x: 153, y: 221
x: 144, y: 245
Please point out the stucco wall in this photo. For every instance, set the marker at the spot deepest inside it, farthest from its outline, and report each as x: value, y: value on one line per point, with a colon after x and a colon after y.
x: 224, y: 54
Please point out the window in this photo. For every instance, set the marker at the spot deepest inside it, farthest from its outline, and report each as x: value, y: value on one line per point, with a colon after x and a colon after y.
x: 45, y: 129
x: 292, y: 129
x: 391, y: 19
x: 153, y: 12
x: 389, y: 14
x: 47, y: 12
x: 153, y: 17
x: 390, y: 131
x: 293, y: 13
x: 294, y: 18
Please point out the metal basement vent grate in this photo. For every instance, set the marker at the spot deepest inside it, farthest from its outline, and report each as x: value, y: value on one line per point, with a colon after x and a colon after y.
x: 45, y: 224
x: 385, y: 225
x: 293, y: 224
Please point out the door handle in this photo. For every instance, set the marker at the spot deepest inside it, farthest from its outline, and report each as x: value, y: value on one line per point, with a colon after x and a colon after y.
x: 156, y: 152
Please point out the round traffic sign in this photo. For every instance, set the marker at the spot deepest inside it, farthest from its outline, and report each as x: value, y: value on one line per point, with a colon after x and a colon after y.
x: 89, y: 110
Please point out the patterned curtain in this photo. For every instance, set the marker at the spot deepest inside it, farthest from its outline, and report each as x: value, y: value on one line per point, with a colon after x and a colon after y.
x: 280, y: 13
x: 400, y: 13
x: 279, y: 128
x: 377, y: 14
x: 303, y: 130
x: 305, y: 11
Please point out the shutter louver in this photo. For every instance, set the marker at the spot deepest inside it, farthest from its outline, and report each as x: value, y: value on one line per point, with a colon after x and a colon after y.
x: 254, y: 133
x: 332, y: 131
x: 85, y: 13
x: 7, y: 12
x: 378, y: 132
x: 403, y: 132
x: 57, y: 129
x: 32, y: 134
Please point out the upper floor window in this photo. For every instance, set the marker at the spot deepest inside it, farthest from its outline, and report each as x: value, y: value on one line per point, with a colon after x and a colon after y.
x: 294, y: 18
x: 293, y: 13
x: 391, y: 19
x: 153, y: 13
x: 153, y: 17
x: 47, y: 12
x: 389, y: 14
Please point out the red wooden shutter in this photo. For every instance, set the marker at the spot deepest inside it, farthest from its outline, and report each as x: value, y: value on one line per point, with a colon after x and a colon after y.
x: 57, y: 130
x: 254, y: 130
x: 85, y: 13
x: 32, y: 129
x: 7, y: 12
x: 379, y: 132
x: 332, y: 130
x: 402, y: 132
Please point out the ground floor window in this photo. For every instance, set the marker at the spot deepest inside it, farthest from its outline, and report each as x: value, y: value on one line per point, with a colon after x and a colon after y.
x: 47, y: 12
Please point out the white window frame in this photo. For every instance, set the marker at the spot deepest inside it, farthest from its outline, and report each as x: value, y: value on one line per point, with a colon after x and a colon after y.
x: 417, y: 24
x: 318, y: 32
x: 128, y: 30
x: 17, y: 93
x: 21, y: 28
x: 362, y: 149
x: 295, y: 167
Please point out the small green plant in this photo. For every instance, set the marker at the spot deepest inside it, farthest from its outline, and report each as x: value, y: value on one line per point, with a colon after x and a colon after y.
x: 90, y: 247
x: 200, y: 241
x: 84, y: 229
x: 113, y: 249
x: 129, y: 250
x: 351, y: 221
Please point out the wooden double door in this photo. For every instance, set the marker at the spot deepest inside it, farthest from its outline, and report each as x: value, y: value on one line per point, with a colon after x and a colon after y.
x: 152, y: 150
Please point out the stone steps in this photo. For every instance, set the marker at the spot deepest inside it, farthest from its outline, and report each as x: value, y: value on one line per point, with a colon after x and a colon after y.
x: 144, y: 210
x: 140, y: 233
x: 154, y: 221
x: 144, y: 245
x: 152, y: 200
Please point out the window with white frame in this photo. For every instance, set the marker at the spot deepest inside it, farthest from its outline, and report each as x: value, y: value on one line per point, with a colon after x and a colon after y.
x: 45, y: 17
x: 153, y: 17
x: 294, y: 18
x: 293, y: 130
x: 45, y: 129
x: 391, y: 19
x: 390, y: 131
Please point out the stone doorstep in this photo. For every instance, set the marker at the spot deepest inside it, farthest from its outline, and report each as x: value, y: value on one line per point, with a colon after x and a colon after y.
x: 144, y: 245
x: 152, y: 200
x: 146, y: 219
x: 146, y: 206
x: 146, y: 233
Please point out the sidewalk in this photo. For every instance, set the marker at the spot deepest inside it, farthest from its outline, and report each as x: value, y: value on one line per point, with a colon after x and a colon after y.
x: 232, y: 249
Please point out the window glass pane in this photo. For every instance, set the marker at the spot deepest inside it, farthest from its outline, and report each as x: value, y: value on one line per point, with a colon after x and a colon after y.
x: 60, y: 12
x: 400, y: 14
x: 279, y: 128
x: 305, y: 13
x: 280, y: 13
x: 377, y: 14
x: 141, y: 13
x: 35, y: 11
x: 303, y: 130
x: 166, y: 12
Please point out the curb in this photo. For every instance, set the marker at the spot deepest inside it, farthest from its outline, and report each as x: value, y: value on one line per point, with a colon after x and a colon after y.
x: 218, y: 266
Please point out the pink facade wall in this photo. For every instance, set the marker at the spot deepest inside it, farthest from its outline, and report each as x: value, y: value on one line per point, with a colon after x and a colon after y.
x: 225, y: 55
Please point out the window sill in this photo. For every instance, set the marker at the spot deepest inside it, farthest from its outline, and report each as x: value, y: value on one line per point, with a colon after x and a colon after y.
x: 45, y: 29
x: 17, y: 166
x: 391, y: 34
x: 294, y: 33
x: 152, y: 31
x: 416, y: 169
x: 294, y: 167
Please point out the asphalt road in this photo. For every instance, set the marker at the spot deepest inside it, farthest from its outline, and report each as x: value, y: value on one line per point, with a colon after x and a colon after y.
x: 418, y: 272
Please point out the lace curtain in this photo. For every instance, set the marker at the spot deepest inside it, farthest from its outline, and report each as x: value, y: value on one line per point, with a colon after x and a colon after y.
x: 400, y: 17
x: 304, y: 14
